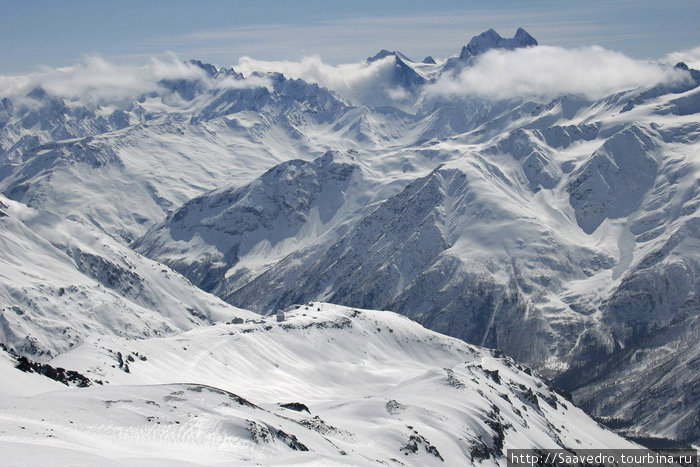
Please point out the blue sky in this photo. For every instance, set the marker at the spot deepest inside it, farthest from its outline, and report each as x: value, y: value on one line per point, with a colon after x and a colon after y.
x: 58, y: 33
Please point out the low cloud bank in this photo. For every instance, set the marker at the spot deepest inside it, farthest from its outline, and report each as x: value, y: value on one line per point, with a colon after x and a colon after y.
x: 350, y: 81
x: 546, y: 71
x: 536, y: 72
x: 98, y: 81
x: 531, y: 73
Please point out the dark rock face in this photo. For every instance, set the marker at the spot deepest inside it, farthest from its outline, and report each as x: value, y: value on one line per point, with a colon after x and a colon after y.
x: 67, y: 377
x: 265, y: 434
x: 492, y: 40
x: 298, y: 406
x: 416, y: 442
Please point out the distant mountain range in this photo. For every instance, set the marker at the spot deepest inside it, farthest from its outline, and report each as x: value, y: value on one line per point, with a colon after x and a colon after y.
x: 563, y: 232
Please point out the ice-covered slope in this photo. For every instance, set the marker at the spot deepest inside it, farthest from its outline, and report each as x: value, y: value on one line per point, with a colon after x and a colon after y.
x: 61, y: 281
x: 329, y: 385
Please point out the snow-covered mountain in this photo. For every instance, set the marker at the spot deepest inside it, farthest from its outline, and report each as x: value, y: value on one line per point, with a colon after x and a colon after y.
x: 63, y: 281
x: 122, y: 173
x: 490, y: 40
x: 569, y: 225
x: 327, y: 386
x: 561, y: 229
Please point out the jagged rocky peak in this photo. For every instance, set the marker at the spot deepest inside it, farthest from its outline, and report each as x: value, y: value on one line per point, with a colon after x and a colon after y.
x: 429, y: 60
x: 188, y: 88
x: 694, y: 74
x: 213, y: 71
x: 208, y: 68
x: 492, y: 40
x: 402, y: 75
x: 38, y: 93
x: 524, y: 38
x: 386, y: 53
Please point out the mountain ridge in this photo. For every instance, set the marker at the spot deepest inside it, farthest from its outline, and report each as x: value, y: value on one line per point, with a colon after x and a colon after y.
x: 561, y: 230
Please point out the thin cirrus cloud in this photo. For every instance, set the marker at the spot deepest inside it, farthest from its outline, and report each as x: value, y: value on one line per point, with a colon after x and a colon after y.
x: 348, y: 40
x: 650, y: 32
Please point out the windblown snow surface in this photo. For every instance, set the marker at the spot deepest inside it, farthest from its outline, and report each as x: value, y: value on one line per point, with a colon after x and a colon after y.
x: 531, y: 199
x: 328, y: 386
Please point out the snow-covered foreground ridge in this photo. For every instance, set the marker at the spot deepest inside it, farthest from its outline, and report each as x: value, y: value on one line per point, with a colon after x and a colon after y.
x: 537, y: 200
x: 327, y: 386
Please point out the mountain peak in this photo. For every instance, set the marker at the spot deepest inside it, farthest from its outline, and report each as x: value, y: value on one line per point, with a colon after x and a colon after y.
x: 208, y: 68
x: 524, y: 38
x: 490, y: 39
x: 385, y: 53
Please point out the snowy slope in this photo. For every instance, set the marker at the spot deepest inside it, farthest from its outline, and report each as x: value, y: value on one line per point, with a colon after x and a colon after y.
x: 69, y: 158
x: 264, y: 219
x: 328, y: 386
x: 569, y: 225
x: 61, y: 281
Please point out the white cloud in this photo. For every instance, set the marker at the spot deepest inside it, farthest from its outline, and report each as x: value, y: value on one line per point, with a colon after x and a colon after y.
x: 690, y: 57
x: 352, y: 81
x: 14, y: 85
x: 538, y: 72
x: 98, y: 81
x: 545, y: 71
